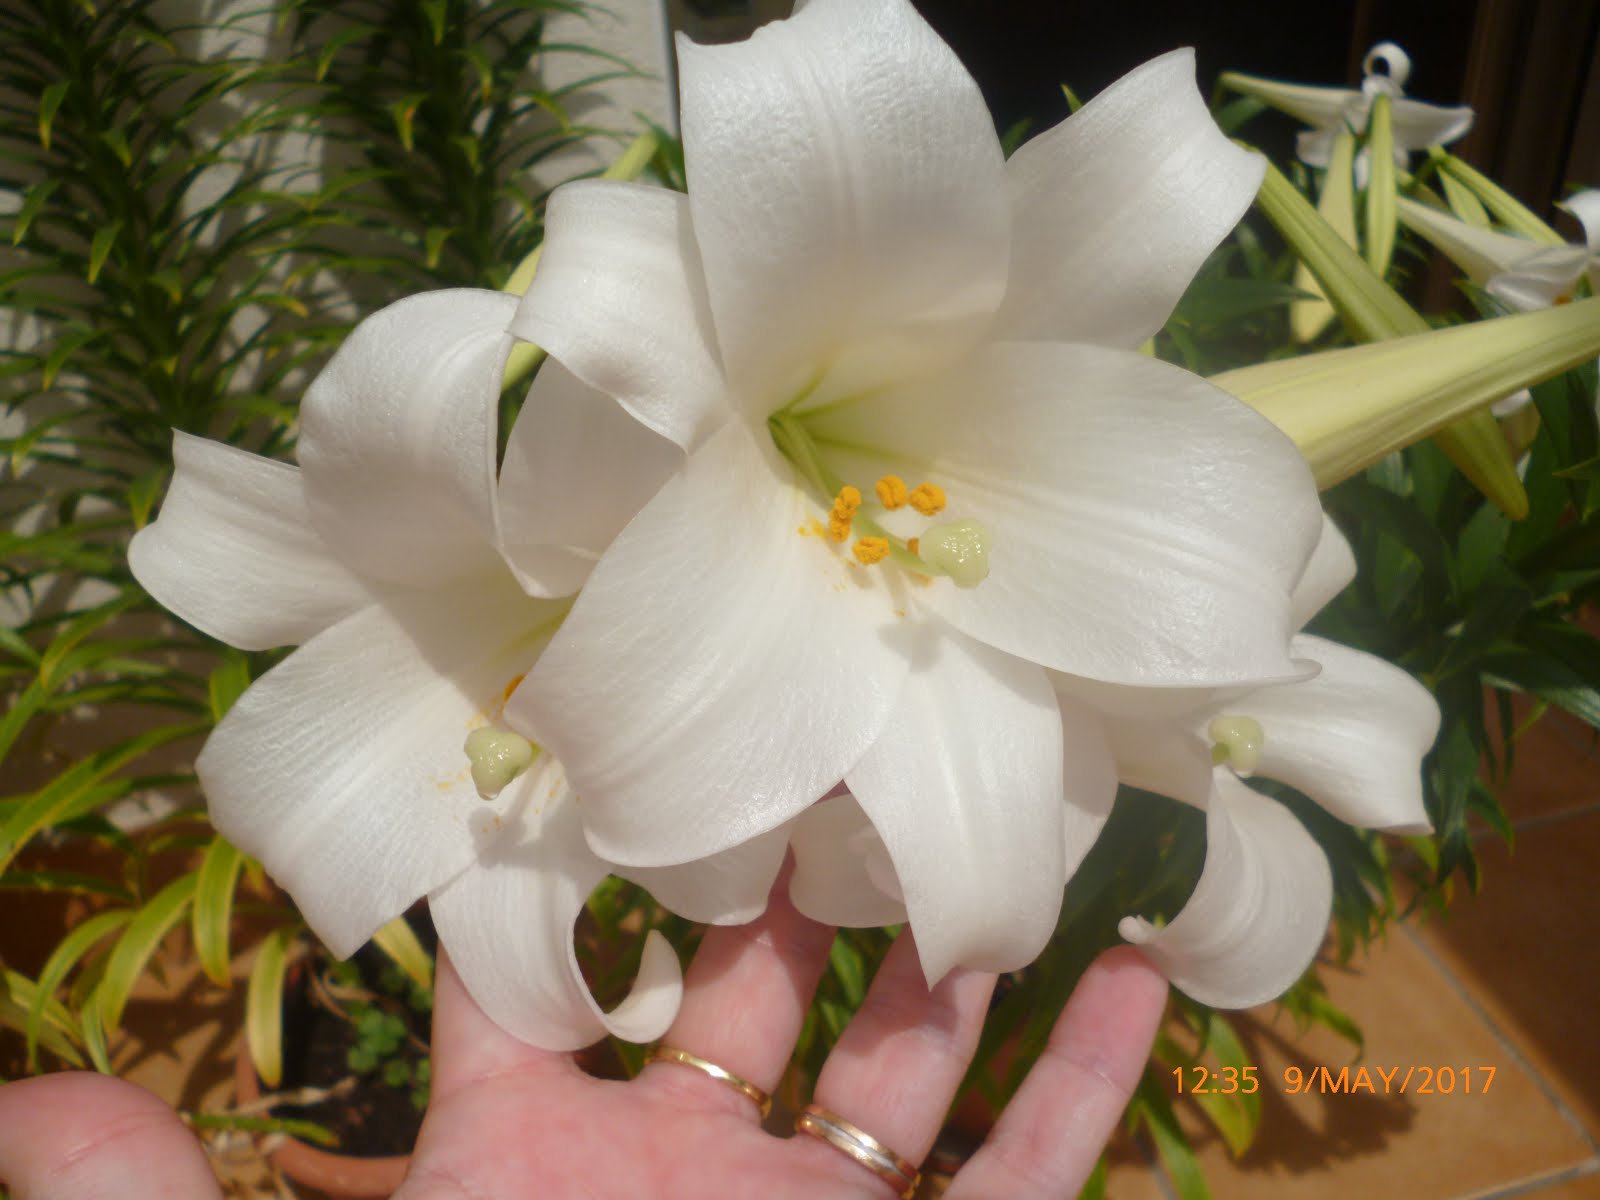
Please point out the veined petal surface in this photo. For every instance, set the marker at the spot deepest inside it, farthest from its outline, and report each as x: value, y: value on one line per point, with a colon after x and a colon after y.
x: 842, y: 872
x: 577, y: 468
x: 1116, y: 208
x: 342, y: 769
x: 1352, y: 738
x: 726, y: 888
x: 965, y: 787
x: 848, y: 193
x: 234, y: 554
x: 507, y: 922
x: 397, y: 447
x: 620, y: 300
x: 1259, y: 912
x: 1126, y: 504
x: 716, y: 626
x: 1332, y: 567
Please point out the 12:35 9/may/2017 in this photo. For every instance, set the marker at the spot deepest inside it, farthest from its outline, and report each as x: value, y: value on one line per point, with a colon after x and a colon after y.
x: 1323, y: 1080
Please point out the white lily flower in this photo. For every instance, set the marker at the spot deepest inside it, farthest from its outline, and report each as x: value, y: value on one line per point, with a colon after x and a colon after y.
x: 1352, y: 738
x: 1330, y: 110
x: 370, y: 767
x: 862, y: 323
x: 1522, y: 274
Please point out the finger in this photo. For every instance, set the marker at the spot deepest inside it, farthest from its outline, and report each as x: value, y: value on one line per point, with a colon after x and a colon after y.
x: 745, y: 998
x: 1049, y: 1137
x: 89, y: 1137
x: 468, y: 1047
x: 899, y: 1062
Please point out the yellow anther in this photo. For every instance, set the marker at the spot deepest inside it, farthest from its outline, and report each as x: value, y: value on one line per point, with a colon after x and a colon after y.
x: 847, y: 501
x: 891, y: 491
x: 914, y: 545
x: 838, y: 528
x: 870, y: 550
x: 927, y: 498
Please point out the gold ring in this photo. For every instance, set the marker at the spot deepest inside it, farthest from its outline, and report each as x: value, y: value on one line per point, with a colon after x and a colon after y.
x: 665, y: 1053
x: 860, y: 1145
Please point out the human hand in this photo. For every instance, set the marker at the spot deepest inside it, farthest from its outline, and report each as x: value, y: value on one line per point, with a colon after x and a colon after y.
x: 509, y: 1120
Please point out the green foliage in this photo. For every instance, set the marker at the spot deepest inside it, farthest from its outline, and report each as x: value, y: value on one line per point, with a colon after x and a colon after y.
x: 385, y: 1048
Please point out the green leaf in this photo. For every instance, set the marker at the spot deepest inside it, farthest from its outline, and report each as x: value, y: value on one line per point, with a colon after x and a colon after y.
x: 18, y: 994
x: 133, y: 949
x: 213, y: 907
x: 263, y: 1006
x: 399, y: 942
x: 845, y: 962
x: 49, y: 104
x: 100, y: 249
x: 1508, y: 210
x: 1151, y: 1104
x: 78, y: 942
x: 118, y: 142
x: 94, y: 1038
x: 142, y: 493
x: 38, y: 195
x: 227, y: 683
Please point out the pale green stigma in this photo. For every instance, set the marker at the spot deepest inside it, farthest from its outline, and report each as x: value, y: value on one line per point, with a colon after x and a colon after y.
x: 1236, y: 741
x: 959, y: 550
x: 497, y: 756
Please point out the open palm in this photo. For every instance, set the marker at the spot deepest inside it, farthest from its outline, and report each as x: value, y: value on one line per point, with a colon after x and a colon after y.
x: 508, y: 1120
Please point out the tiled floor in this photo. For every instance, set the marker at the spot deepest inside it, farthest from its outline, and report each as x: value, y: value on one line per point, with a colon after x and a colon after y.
x: 1508, y: 979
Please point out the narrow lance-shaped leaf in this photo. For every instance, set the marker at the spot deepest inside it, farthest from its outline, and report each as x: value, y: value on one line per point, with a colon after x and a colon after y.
x: 138, y: 942
x: 1347, y: 409
x: 399, y: 941
x: 1374, y: 311
x: 213, y: 907
x: 62, y: 960
x: 263, y: 1006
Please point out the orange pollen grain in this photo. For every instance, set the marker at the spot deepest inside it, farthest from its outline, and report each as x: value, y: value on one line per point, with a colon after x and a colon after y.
x: 914, y: 545
x: 847, y: 501
x: 927, y: 498
x: 891, y: 491
x: 838, y: 528
x: 870, y: 550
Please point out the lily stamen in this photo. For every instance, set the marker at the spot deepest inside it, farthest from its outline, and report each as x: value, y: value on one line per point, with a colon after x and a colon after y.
x: 497, y: 757
x: 871, y: 550
x: 1237, y: 741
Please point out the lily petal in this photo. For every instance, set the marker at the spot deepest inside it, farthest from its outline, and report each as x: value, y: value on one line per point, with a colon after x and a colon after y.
x: 342, y: 768
x: 1418, y: 124
x: 751, y: 629
x: 620, y: 300
x: 1163, y: 756
x: 847, y: 189
x: 397, y: 447
x: 577, y: 468
x: 1332, y: 567
x: 727, y: 888
x: 1585, y: 205
x: 234, y: 554
x: 1117, y: 207
x: 1540, y: 279
x: 507, y: 922
x: 1089, y: 775
x: 1481, y: 253
x: 842, y: 872
x: 965, y: 787
x: 1259, y: 912
x: 1353, y: 738
x: 1125, y: 503
x: 1321, y: 107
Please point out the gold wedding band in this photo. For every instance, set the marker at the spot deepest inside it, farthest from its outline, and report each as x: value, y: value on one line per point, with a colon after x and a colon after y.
x: 860, y: 1145
x: 665, y: 1053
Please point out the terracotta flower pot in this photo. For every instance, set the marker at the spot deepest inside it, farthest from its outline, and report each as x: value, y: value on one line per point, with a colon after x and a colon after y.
x: 345, y: 1176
